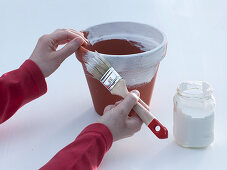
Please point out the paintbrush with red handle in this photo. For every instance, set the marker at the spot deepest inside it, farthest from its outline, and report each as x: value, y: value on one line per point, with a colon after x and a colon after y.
x: 105, y: 73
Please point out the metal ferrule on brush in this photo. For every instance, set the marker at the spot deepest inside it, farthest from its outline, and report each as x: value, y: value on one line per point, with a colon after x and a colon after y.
x: 110, y: 78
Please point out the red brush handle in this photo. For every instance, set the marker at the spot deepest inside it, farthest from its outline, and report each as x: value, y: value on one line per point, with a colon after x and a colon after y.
x: 158, y: 129
x: 149, y: 119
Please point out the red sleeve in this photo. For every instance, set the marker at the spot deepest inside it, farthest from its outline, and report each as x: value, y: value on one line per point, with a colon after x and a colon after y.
x: 19, y: 87
x: 86, y: 152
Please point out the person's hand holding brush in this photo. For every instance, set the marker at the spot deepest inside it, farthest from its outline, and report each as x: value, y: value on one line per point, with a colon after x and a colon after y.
x: 88, y: 150
x: 116, y: 117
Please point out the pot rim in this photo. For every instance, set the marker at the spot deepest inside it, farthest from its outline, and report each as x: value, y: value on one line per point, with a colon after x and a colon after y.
x: 159, y: 46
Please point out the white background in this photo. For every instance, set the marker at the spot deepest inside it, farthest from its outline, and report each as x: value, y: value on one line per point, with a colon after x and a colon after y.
x: 197, y: 33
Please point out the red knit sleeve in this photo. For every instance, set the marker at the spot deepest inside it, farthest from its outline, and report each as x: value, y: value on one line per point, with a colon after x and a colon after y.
x: 86, y: 152
x: 19, y: 87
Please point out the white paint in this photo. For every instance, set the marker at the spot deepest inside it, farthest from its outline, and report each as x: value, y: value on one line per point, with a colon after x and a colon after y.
x: 138, y: 68
x: 194, y: 109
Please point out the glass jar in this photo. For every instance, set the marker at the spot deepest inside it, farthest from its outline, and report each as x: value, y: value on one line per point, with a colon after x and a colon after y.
x: 193, y: 118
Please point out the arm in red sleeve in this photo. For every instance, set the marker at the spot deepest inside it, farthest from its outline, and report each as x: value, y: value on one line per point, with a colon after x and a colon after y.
x: 19, y: 87
x: 86, y: 152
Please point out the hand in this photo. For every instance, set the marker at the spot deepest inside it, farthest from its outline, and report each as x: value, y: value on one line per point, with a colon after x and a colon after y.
x: 45, y: 54
x: 116, y: 117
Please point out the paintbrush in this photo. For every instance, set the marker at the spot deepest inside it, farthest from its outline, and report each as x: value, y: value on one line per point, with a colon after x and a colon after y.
x: 101, y: 69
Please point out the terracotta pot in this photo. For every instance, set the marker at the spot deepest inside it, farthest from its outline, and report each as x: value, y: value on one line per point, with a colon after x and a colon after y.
x: 139, y: 70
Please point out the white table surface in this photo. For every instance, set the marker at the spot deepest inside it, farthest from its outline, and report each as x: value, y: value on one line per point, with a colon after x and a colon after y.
x: 197, y: 33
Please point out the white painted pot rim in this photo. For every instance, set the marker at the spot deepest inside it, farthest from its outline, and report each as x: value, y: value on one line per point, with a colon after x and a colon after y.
x: 163, y: 43
x: 137, y: 68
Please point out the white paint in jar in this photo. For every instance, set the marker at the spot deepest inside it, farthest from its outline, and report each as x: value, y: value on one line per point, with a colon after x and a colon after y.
x: 194, y: 110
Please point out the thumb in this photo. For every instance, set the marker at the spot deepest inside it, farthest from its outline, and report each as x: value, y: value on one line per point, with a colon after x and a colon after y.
x: 70, y: 48
x: 129, y: 101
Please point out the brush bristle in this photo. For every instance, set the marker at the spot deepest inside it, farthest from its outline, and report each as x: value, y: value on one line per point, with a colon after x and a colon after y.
x: 96, y: 65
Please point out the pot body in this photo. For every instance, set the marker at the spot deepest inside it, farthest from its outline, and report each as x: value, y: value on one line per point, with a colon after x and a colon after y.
x: 138, y: 70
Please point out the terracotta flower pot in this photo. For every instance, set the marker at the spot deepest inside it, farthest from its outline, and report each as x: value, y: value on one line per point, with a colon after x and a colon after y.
x: 139, y: 69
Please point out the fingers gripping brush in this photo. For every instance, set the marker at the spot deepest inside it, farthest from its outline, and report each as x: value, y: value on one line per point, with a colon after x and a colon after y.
x: 105, y: 73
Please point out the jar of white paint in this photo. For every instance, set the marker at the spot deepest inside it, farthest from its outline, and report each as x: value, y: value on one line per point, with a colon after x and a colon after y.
x: 193, y: 118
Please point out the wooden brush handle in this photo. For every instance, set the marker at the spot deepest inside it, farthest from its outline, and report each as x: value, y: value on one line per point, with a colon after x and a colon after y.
x: 143, y: 113
x: 147, y: 117
x: 120, y: 89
